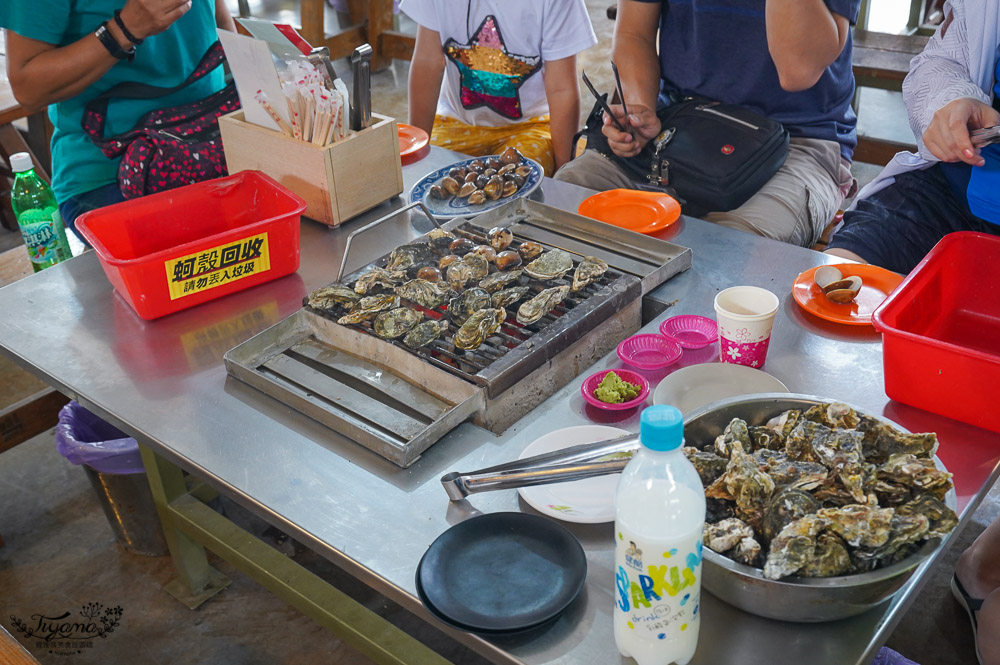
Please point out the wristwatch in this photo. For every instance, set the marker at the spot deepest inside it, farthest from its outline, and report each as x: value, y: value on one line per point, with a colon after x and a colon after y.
x: 110, y: 43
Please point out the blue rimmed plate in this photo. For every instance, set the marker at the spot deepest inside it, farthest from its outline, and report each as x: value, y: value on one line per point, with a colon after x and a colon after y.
x: 456, y: 207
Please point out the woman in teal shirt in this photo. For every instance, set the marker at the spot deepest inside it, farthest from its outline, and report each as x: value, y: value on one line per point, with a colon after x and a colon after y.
x: 57, y: 56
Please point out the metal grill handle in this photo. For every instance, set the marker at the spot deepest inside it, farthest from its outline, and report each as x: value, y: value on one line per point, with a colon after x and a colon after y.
x: 406, y: 208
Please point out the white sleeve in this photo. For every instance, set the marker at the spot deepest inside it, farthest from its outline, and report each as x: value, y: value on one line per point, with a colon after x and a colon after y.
x: 566, y: 29
x: 422, y: 12
x: 940, y: 74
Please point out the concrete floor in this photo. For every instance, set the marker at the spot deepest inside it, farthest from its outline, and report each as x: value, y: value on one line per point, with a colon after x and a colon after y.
x: 59, y: 553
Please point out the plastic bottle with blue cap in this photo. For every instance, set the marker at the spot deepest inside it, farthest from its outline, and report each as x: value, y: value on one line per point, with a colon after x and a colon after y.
x: 659, y: 519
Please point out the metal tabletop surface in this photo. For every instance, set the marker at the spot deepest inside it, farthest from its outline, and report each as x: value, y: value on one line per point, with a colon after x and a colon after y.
x: 164, y: 382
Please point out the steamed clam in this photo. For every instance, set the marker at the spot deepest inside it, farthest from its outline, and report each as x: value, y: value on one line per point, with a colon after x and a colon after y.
x: 396, y: 322
x: 589, y: 270
x: 335, y: 294
x: 835, y: 286
x: 450, y: 185
x: 511, y: 156
x: 543, y: 303
x: 478, y: 327
x: 424, y: 333
x: 506, y: 260
x: 499, y: 238
x: 439, y: 239
x: 550, y: 265
x: 529, y: 250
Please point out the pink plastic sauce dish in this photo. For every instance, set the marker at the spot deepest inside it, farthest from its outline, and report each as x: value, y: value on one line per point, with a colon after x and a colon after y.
x: 690, y: 331
x: 591, y: 382
x: 648, y: 351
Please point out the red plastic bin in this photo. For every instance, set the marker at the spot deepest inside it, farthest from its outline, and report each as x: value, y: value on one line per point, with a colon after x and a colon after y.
x: 177, y: 249
x: 941, y: 331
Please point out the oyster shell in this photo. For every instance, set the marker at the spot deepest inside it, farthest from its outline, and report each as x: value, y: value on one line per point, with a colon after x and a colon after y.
x: 708, y: 465
x: 834, y: 415
x: 328, y: 297
x: 406, y: 256
x: 378, y: 278
x: 882, y: 440
x: 439, y: 239
x: 479, y: 264
x: 784, y: 508
x: 368, y: 307
x: 508, y: 297
x: 589, y: 270
x: 903, y: 532
x: 459, y: 274
x: 469, y: 302
x: 424, y: 333
x: 859, y: 526
x: 530, y: 311
x: 747, y: 552
x: 790, y: 473
x: 749, y: 486
x: 478, y: 327
x: 726, y: 534
x: 919, y: 473
x: 550, y: 265
x: 764, y: 438
x: 499, y: 280
x: 717, y: 510
x: 942, y: 518
x: 425, y: 293
x: 784, y: 423
x: 829, y: 559
x: 736, y: 430
x: 395, y: 322
x: 793, y: 547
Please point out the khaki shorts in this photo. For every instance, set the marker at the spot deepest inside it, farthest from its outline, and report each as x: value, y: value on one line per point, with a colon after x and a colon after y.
x: 795, y: 205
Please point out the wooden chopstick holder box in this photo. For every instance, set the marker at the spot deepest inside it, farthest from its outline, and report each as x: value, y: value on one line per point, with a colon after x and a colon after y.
x: 337, y: 181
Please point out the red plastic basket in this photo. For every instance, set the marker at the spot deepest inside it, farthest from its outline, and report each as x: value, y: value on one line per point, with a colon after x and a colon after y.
x: 177, y: 249
x: 941, y: 331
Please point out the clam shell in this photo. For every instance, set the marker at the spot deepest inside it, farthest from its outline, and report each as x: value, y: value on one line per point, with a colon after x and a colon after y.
x: 843, y: 291
x: 466, y: 189
x: 826, y: 275
x: 450, y: 185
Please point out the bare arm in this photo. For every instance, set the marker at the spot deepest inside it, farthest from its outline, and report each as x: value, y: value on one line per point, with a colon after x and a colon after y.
x: 804, y: 38
x: 42, y: 73
x: 634, y: 52
x: 426, y: 72
x: 563, y: 94
x: 223, y: 17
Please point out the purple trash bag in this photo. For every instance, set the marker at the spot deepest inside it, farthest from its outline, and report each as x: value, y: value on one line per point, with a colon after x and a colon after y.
x: 887, y: 656
x: 83, y: 438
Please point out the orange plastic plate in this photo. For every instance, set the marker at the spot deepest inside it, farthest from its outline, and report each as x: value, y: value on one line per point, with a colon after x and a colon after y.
x: 411, y: 141
x: 877, y: 284
x: 642, y: 212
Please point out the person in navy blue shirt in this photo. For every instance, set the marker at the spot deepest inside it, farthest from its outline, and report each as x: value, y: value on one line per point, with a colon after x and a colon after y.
x: 787, y: 59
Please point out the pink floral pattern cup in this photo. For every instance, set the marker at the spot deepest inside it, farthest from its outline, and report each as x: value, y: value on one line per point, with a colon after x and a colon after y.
x: 745, y: 315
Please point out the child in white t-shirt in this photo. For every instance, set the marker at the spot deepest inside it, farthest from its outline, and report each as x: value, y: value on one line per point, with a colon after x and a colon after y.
x: 509, y: 75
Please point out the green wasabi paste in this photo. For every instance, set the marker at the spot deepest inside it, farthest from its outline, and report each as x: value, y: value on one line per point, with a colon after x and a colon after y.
x: 612, y: 390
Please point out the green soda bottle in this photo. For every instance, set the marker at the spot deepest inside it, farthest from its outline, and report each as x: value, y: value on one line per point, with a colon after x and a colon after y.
x: 37, y: 214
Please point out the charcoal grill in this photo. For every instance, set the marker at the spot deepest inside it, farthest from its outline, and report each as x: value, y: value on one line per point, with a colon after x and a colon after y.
x: 398, y: 401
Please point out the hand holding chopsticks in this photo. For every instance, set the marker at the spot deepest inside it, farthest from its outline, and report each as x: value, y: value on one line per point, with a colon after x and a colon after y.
x: 628, y: 129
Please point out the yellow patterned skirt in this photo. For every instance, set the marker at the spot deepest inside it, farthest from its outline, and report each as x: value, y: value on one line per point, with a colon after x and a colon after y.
x: 532, y: 138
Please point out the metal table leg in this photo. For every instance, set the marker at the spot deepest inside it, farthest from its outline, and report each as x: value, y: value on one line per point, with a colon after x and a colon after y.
x: 190, y: 526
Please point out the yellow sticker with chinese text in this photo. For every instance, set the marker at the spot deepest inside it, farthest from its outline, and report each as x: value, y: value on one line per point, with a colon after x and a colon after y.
x: 220, y: 265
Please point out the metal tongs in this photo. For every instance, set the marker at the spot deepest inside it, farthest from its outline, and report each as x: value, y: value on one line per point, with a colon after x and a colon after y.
x: 986, y: 136
x: 575, y: 463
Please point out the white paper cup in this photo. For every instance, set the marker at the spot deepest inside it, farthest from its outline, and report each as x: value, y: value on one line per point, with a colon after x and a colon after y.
x: 745, y: 315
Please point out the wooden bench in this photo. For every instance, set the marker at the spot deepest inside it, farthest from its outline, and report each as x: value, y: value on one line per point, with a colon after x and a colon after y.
x: 881, y: 60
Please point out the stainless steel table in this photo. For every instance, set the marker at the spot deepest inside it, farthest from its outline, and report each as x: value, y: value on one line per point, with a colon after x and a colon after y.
x: 163, y: 382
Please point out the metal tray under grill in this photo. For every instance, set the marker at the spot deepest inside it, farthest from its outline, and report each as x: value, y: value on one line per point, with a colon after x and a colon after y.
x: 397, y: 401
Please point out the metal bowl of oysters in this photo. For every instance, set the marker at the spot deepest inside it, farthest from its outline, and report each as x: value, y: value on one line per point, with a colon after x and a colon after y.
x: 857, y: 503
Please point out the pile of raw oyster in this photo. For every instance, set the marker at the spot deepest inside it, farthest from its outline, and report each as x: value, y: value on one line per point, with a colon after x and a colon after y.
x: 425, y: 287
x: 821, y: 492
x: 485, y: 179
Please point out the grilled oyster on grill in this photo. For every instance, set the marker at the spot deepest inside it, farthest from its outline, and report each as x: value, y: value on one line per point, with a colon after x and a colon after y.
x: 543, y: 303
x: 368, y: 307
x: 378, y: 278
x: 478, y: 327
x: 508, y: 297
x: 425, y: 333
x: 499, y: 280
x: 335, y: 294
x: 469, y: 302
x: 550, y: 265
x: 589, y: 270
x: 425, y: 293
x: 440, y: 239
x: 406, y: 256
x: 395, y: 322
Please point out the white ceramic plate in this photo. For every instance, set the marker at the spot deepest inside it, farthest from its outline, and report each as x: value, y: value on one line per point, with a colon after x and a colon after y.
x: 588, y: 501
x: 456, y: 207
x: 692, y: 387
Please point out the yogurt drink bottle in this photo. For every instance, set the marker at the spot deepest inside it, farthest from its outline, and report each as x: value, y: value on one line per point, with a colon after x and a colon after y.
x: 659, y: 518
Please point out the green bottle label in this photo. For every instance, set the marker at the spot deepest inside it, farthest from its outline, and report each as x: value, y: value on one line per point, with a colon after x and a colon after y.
x: 40, y: 229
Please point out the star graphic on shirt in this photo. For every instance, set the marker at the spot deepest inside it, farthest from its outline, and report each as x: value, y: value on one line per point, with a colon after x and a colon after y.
x: 490, y: 74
